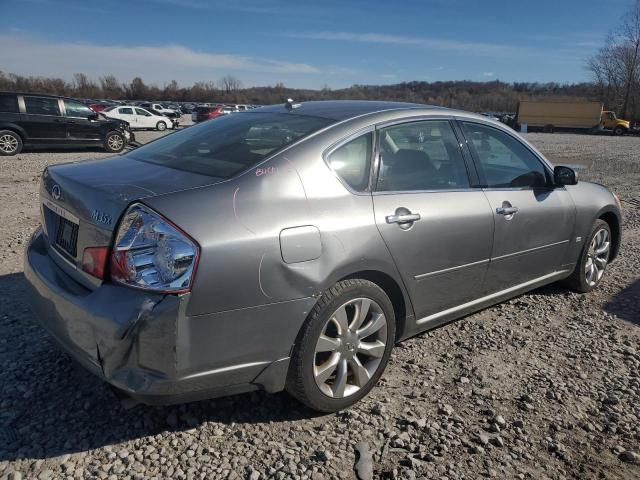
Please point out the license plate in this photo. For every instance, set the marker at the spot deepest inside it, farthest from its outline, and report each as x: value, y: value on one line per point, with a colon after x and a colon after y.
x: 67, y: 236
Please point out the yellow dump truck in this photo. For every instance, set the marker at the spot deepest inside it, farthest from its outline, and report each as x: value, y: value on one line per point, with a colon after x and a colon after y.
x: 550, y: 116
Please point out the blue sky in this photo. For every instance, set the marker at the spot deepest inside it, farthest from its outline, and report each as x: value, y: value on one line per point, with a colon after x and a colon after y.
x: 306, y: 43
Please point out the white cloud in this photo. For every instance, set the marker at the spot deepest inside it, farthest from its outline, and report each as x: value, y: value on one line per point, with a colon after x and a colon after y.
x: 488, y: 74
x: 155, y: 64
x: 476, y: 48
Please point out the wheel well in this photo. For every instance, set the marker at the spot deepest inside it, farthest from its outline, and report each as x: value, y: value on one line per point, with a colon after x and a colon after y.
x: 14, y: 130
x: 614, y: 225
x: 393, y: 291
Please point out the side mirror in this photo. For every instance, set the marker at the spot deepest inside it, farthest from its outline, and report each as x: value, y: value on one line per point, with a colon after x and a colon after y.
x: 92, y: 116
x: 564, y: 176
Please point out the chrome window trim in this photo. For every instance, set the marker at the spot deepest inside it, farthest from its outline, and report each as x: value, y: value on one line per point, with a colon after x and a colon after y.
x: 409, y: 192
x: 416, y: 118
x: 22, y: 107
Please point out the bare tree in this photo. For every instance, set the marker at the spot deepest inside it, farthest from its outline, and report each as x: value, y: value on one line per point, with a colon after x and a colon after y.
x: 616, y: 67
x: 83, y: 86
x: 111, y: 87
x: 230, y: 84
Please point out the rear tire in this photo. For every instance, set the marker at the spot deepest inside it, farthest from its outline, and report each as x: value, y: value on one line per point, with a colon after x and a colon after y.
x: 343, y: 347
x: 161, y: 126
x: 114, y: 142
x: 10, y: 143
x: 593, y: 261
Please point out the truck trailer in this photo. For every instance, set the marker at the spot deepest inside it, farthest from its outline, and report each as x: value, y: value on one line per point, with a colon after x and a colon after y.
x: 550, y: 116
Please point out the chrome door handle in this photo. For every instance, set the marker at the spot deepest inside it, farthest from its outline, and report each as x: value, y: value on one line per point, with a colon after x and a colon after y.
x: 506, y: 210
x: 403, y: 218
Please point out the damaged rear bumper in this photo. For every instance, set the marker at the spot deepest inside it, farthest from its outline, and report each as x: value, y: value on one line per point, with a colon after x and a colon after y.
x: 145, y: 345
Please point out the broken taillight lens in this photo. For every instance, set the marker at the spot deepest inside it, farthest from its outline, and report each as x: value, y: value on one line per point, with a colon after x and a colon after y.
x: 152, y: 253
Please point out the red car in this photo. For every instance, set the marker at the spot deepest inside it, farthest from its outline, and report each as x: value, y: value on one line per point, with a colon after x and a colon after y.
x: 207, y: 113
x: 99, y: 107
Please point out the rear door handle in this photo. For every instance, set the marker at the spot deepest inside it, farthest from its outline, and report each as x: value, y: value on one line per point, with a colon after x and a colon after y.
x: 403, y: 218
x: 506, y: 210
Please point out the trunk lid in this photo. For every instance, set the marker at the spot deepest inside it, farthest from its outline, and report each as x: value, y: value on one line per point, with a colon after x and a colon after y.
x: 82, y: 202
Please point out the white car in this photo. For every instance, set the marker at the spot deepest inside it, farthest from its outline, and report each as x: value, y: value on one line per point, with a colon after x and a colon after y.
x: 139, y: 117
x: 158, y: 107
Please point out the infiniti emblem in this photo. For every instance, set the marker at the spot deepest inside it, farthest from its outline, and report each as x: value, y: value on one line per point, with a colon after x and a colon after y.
x: 56, y: 192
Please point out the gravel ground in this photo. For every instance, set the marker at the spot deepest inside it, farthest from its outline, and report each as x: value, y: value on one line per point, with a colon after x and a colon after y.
x: 546, y: 385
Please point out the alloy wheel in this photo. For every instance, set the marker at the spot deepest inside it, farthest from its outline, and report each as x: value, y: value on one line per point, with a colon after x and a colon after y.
x: 115, y: 142
x: 8, y: 144
x: 597, y: 257
x: 350, y: 348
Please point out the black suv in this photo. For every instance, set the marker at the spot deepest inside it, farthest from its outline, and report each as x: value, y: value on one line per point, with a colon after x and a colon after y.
x: 37, y: 120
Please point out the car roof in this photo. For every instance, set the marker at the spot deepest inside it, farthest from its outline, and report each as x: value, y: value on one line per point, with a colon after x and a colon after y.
x: 38, y: 94
x: 345, y: 109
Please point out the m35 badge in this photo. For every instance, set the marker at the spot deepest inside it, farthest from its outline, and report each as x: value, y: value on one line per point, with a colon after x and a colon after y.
x: 101, y: 217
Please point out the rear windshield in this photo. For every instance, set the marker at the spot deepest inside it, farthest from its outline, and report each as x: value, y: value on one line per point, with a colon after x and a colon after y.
x: 204, y: 109
x: 228, y: 145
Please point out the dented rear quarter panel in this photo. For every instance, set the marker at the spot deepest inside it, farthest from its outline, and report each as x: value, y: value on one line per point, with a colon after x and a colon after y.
x: 238, y: 224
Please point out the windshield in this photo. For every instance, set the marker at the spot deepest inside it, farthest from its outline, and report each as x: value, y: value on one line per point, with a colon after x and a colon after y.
x: 228, y: 145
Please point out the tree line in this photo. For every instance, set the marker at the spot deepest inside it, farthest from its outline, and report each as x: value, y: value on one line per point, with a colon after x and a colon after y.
x: 475, y: 96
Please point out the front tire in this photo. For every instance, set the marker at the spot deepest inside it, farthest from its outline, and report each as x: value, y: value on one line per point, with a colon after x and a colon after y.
x: 10, y: 143
x: 114, y: 142
x: 161, y: 126
x: 618, y: 131
x: 343, y: 347
x: 593, y: 260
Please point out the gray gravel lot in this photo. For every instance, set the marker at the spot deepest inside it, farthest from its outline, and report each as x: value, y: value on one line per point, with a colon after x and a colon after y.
x: 546, y: 385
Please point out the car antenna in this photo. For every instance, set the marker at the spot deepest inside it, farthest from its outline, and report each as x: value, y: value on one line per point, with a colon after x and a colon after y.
x: 289, y: 105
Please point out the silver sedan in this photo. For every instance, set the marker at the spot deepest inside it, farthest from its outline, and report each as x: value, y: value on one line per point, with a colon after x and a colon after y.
x: 290, y: 247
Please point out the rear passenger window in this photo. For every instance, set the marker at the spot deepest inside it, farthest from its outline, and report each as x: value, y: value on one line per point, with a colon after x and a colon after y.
x: 421, y: 156
x: 9, y: 103
x: 352, y: 160
x: 42, y: 105
x: 126, y: 111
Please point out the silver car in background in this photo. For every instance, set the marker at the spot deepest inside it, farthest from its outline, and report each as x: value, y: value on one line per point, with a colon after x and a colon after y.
x: 291, y: 246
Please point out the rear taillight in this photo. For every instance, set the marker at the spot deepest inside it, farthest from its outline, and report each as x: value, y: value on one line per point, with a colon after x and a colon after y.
x: 152, y: 253
x: 94, y: 261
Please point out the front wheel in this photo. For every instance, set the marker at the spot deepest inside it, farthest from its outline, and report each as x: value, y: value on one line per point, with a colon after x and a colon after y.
x: 114, y: 142
x: 593, y: 260
x: 618, y: 131
x: 343, y: 347
x: 161, y: 126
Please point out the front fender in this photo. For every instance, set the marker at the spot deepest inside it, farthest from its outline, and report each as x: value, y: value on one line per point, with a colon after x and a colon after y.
x: 594, y: 201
